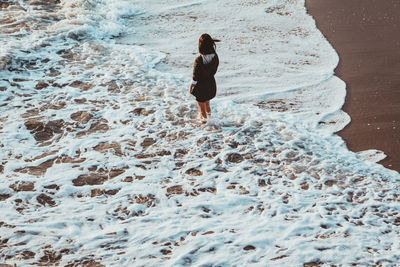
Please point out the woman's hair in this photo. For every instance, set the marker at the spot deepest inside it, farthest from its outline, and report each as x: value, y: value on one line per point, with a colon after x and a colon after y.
x: 207, y: 44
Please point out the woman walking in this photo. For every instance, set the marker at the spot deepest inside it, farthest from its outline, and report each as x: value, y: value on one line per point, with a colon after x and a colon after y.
x: 203, y: 85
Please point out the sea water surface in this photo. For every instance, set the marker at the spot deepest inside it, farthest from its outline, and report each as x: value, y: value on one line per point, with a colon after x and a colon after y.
x: 104, y: 162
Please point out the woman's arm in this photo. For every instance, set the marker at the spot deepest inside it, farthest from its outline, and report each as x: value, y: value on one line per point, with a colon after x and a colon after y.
x: 215, y: 66
x: 196, y: 74
x: 196, y: 69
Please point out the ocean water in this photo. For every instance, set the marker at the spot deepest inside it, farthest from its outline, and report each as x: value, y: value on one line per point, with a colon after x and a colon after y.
x: 104, y: 161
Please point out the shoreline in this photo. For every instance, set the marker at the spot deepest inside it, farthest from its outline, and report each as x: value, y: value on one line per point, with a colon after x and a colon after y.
x: 365, y: 35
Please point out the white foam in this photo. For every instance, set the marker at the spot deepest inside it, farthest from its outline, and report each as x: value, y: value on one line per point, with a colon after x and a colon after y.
x: 263, y: 183
x: 372, y: 155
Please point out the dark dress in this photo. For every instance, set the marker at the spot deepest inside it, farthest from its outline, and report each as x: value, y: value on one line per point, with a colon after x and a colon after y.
x: 206, y: 88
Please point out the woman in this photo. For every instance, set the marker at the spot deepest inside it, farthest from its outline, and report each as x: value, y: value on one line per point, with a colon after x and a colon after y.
x: 203, y: 85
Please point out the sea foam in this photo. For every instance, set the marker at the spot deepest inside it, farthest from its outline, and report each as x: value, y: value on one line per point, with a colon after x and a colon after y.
x: 103, y: 160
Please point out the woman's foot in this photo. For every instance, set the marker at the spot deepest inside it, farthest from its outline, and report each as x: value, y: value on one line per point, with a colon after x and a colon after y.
x: 203, y: 120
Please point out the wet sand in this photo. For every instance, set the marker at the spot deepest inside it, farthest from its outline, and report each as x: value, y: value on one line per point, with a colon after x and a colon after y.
x: 366, y: 35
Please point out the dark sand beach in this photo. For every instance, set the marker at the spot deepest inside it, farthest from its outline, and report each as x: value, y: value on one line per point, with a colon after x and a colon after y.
x: 366, y: 35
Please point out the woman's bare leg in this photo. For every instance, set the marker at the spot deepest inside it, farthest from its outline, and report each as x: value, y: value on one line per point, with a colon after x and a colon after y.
x: 208, y: 109
x: 202, y: 109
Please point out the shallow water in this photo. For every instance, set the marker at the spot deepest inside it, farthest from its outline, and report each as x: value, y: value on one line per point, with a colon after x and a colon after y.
x: 103, y: 159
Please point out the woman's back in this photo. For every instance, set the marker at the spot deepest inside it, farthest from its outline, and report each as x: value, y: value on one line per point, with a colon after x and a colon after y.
x: 205, y: 67
x: 203, y: 85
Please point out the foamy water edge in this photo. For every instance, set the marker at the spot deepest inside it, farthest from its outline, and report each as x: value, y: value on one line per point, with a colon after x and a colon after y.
x: 104, y: 162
